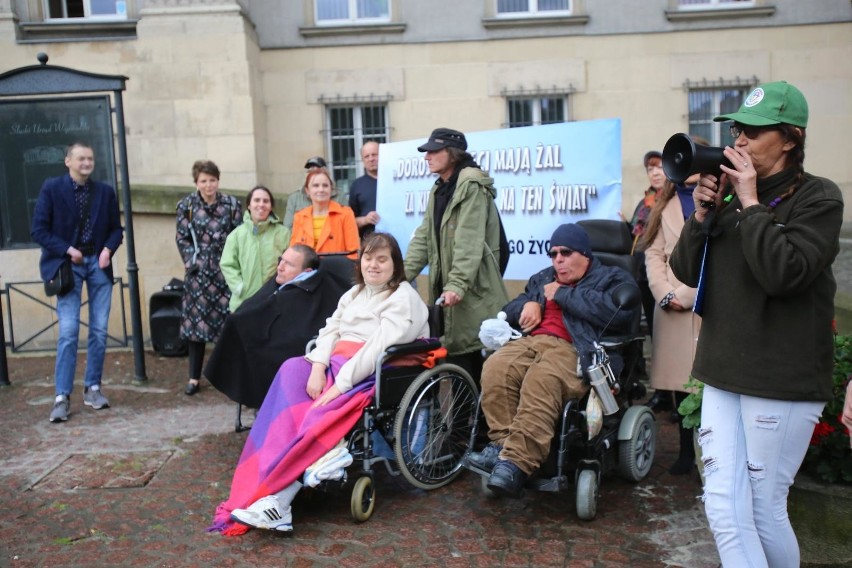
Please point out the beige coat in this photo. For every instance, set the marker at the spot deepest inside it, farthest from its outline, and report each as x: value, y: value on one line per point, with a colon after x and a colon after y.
x: 675, y: 332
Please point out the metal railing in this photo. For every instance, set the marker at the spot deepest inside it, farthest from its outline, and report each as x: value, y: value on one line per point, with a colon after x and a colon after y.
x: 21, y: 289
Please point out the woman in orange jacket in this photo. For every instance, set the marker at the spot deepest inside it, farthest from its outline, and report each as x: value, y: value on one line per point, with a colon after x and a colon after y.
x: 326, y: 226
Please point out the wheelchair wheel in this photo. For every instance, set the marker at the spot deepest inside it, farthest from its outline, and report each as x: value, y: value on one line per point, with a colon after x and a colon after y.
x: 636, y: 453
x: 363, y: 499
x: 433, y: 426
x: 587, y: 494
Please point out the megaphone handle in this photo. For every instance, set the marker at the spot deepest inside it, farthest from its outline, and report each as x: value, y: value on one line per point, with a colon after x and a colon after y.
x: 709, y: 217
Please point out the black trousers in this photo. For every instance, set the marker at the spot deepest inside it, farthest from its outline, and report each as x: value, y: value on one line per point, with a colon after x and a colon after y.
x: 196, y: 358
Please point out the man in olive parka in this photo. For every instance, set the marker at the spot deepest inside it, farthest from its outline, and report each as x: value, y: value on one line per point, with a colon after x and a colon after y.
x: 459, y: 239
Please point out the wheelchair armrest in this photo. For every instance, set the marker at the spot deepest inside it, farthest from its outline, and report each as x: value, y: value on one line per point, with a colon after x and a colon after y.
x: 419, y: 346
x: 619, y: 340
x: 312, y: 342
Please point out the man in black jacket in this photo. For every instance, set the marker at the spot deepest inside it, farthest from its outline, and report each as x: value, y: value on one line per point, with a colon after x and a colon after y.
x: 526, y: 383
x: 276, y: 323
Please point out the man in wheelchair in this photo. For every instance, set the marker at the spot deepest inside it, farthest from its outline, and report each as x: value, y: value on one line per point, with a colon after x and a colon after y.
x: 526, y: 383
x: 276, y: 322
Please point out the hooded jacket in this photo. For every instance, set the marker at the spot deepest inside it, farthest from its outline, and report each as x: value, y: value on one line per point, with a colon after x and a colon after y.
x: 250, y: 256
x: 463, y: 258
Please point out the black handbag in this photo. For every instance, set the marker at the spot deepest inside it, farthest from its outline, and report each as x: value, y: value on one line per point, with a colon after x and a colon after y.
x: 62, y: 282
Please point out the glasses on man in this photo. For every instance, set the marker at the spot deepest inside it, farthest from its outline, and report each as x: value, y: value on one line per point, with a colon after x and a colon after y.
x: 563, y: 252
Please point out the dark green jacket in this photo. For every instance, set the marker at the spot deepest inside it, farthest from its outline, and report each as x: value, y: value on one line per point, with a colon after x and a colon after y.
x: 769, y: 298
x: 468, y: 263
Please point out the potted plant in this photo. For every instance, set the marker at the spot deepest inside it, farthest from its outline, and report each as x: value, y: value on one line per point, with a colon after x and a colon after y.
x: 690, y: 409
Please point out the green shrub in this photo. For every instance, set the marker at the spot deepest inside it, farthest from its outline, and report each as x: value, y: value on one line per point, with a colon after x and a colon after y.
x: 829, y: 456
x: 690, y: 408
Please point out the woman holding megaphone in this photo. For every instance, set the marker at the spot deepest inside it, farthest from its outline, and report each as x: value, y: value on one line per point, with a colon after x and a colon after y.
x: 762, y: 266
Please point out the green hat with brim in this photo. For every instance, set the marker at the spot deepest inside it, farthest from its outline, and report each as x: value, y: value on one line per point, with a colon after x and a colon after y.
x: 771, y: 103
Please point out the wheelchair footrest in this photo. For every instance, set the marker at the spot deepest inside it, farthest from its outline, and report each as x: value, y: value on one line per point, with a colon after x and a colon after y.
x: 549, y: 484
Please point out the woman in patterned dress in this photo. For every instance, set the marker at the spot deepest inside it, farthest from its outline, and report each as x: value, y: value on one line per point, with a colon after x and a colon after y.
x: 204, y: 220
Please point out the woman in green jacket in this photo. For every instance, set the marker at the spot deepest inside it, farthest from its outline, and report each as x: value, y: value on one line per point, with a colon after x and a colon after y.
x: 252, y: 250
x: 459, y: 239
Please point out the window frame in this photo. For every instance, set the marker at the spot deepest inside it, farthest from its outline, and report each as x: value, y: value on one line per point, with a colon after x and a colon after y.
x: 714, y: 4
x: 720, y: 135
x: 533, y: 11
x: 564, y: 98
x: 87, y: 15
x: 359, y: 135
x: 352, y: 8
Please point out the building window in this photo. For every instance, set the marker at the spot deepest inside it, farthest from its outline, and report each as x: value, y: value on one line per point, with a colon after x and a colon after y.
x: 514, y: 8
x: 704, y: 104
x: 94, y: 9
x: 702, y: 4
x: 530, y: 111
x: 348, y: 128
x: 350, y: 11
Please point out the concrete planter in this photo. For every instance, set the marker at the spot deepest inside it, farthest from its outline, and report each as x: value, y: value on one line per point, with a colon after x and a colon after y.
x: 821, y: 515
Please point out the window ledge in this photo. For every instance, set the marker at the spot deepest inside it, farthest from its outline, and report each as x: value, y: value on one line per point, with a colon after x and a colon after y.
x: 353, y: 29
x: 503, y: 23
x: 719, y: 14
x: 52, y: 32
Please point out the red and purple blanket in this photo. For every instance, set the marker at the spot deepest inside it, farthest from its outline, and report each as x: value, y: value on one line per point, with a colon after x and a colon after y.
x: 288, y: 435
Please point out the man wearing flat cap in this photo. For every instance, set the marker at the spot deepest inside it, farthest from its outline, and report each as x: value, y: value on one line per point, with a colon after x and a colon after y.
x: 526, y: 383
x: 459, y: 239
x: 299, y: 199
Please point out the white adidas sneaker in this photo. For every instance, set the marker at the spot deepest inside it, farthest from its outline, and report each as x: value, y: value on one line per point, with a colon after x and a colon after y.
x: 265, y: 514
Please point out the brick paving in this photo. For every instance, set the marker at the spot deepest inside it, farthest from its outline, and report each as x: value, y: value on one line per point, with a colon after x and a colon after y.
x: 136, y: 485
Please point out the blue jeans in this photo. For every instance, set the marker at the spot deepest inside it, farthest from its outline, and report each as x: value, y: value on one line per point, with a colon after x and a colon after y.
x: 752, y: 448
x: 99, y: 287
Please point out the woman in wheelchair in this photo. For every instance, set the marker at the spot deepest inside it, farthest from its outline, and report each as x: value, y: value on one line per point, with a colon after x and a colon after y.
x: 315, y: 400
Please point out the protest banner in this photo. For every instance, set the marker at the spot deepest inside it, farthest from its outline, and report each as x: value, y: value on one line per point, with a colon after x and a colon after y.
x: 544, y: 175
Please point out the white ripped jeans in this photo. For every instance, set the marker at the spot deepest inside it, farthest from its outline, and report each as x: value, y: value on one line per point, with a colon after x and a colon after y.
x: 752, y: 448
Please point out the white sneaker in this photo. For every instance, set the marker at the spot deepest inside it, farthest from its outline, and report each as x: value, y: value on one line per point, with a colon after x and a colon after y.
x: 265, y: 514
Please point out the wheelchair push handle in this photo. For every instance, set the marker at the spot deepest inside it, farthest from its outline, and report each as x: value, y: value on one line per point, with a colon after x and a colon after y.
x: 625, y: 296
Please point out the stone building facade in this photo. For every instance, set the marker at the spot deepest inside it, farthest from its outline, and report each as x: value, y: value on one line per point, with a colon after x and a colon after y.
x: 260, y: 86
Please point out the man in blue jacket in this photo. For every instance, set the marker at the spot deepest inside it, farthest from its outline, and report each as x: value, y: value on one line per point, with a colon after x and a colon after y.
x: 526, y: 383
x: 77, y: 218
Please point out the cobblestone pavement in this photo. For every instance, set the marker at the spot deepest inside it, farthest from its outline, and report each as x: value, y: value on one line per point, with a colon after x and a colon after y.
x: 136, y: 485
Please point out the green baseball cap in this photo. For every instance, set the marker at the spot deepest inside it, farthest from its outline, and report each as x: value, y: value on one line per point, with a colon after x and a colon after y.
x: 772, y: 103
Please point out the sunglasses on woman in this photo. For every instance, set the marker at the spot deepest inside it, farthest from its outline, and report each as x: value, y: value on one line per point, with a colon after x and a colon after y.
x: 564, y: 252
x: 751, y: 132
